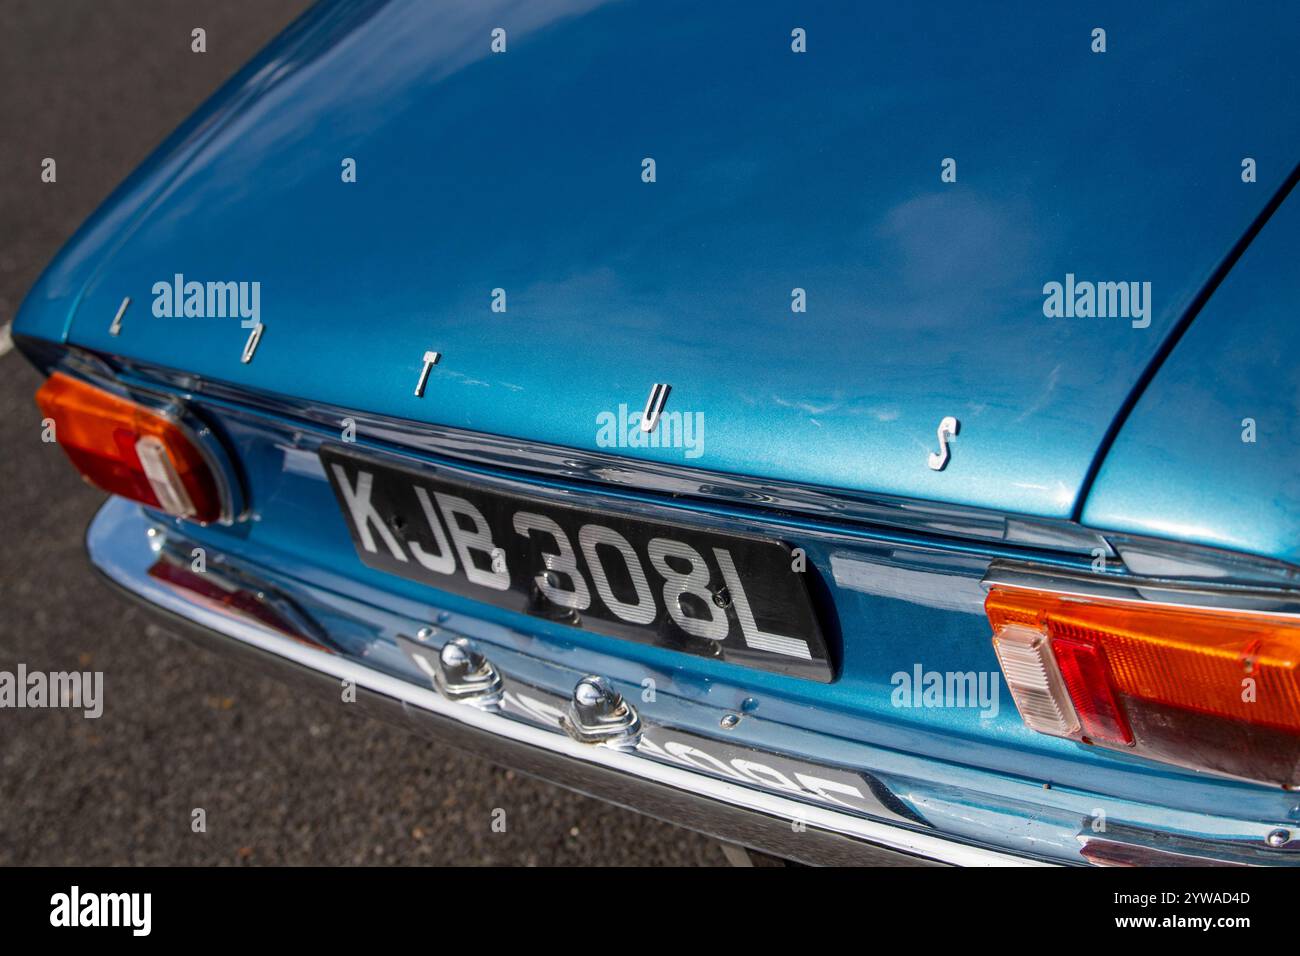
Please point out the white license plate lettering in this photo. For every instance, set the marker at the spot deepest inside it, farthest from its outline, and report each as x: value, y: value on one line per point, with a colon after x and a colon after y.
x: 705, y: 592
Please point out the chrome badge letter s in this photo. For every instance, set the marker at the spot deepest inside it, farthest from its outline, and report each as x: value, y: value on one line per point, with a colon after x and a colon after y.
x: 947, y: 429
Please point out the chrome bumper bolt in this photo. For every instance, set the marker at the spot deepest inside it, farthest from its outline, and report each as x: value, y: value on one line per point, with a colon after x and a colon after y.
x: 465, y: 674
x: 599, y: 714
x: 1278, y: 838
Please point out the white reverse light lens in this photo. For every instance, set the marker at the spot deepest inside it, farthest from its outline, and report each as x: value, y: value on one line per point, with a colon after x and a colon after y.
x: 1035, y: 681
x: 164, y: 480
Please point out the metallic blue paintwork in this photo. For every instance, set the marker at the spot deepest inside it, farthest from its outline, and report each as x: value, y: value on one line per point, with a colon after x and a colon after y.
x: 522, y: 171
x: 300, y: 541
x: 1179, y: 467
x: 775, y: 170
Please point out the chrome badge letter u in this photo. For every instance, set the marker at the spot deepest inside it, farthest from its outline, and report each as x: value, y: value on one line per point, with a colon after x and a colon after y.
x: 654, y: 406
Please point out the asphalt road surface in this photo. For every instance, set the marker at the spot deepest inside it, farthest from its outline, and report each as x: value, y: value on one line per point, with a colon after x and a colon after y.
x: 96, y: 84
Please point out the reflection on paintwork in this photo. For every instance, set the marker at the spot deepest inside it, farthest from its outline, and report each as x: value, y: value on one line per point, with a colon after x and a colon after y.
x: 1182, y: 466
x: 521, y: 171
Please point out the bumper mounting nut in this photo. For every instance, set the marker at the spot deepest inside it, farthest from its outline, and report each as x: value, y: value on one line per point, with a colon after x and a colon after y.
x: 599, y: 714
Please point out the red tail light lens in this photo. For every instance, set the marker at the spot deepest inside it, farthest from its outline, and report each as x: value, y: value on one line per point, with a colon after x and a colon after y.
x: 126, y: 449
x: 1210, y: 689
x: 1086, y: 674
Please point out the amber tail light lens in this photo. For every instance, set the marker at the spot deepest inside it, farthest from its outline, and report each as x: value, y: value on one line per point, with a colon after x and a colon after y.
x: 1208, y: 689
x: 127, y: 449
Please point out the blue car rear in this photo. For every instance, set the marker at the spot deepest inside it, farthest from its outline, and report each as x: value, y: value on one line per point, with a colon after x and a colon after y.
x: 962, y: 319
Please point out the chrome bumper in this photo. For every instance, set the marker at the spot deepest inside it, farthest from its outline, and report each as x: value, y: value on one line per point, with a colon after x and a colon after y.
x: 323, y: 640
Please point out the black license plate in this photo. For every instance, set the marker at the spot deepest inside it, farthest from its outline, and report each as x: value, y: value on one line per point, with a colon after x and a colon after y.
x: 731, y: 597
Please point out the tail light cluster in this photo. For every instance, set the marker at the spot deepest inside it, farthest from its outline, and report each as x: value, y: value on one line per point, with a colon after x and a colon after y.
x: 1210, y: 689
x: 127, y: 449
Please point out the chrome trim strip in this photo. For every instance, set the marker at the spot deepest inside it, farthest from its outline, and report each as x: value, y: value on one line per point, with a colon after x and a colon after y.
x: 233, y: 503
x: 838, y: 505
x: 119, y: 525
x: 1279, y: 602
x: 1055, y: 538
x: 1119, y: 844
